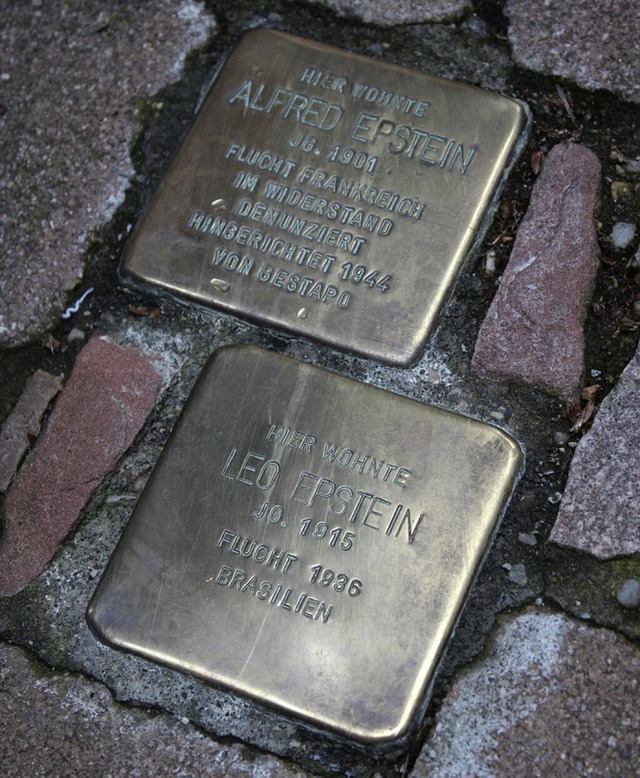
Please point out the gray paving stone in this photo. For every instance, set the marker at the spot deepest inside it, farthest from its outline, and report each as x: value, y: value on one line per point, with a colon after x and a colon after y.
x: 69, y: 79
x: 400, y: 11
x: 67, y: 726
x: 106, y: 400
x: 23, y: 425
x: 595, y: 44
x: 600, y: 510
x: 533, y: 331
x: 552, y: 697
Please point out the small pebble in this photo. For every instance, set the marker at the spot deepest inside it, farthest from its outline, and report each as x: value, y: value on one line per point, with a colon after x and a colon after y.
x: 76, y: 334
x: 629, y: 593
x: 114, y: 499
x: 621, y: 190
x: 490, y: 264
x: 560, y: 438
x: 635, y: 260
x: 518, y: 575
x: 622, y: 234
x: 526, y: 539
x: 633, y: 165
x: 375, y: 49
x: 555, y: 498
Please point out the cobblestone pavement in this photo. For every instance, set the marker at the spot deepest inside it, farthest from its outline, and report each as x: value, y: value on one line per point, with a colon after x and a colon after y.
x: 539, y: 337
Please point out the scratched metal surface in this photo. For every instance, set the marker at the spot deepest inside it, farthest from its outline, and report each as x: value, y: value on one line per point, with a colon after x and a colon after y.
x: 328, y: 194
x: 307, y: 540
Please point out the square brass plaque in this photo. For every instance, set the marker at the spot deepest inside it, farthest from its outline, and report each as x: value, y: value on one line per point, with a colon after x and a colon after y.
x: 327, y: 193
x: 308, y: 541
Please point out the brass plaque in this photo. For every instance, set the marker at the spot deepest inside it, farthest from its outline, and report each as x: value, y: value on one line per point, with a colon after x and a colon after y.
x: 308, y: 541
x: 327, y: 193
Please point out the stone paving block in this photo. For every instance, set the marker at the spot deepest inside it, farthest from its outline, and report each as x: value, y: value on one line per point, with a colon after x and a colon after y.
x: 106, y: 400
x: 69, y: 79
x: 600, y: 508
x: 552, y: 697
x: 70, y: 727
x: 400, y: 12
x: 595, y: 44
x: 23, y: 425
x: 533, y: 331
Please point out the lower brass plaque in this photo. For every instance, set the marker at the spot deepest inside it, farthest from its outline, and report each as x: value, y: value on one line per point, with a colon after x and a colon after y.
x: 327, y: 193
x: 308, y: 541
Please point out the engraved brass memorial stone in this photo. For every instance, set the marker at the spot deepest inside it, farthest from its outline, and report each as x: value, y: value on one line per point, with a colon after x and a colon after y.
x: 327, y: 193
x: 308, y: 541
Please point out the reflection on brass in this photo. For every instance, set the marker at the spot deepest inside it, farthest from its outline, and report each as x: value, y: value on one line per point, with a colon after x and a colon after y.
x: 308, y: 541
x: 219, y: 285
x: 316, y: 177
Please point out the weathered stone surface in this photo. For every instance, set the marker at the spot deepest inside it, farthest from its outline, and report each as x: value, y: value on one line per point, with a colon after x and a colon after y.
x: 23, y: 425
x: 533, y: 331
x: 108, y: 396
x: 600, y: 509
x: 71, y: 73
x: 401, y: 12
x: 596, y: 44
x: 68, y: 726
x: 552, y: 698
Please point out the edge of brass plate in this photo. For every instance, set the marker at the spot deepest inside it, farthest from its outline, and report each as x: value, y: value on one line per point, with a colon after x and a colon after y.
x: 307, y: 541
x: 329, y: 194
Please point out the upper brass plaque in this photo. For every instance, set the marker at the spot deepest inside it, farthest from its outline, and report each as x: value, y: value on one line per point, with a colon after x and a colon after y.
x: 327, y: 193
x: 307, y: 540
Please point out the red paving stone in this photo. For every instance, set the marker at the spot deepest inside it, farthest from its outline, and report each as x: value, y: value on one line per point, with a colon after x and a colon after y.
x: 533, y: 332
x: 106, y: 400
